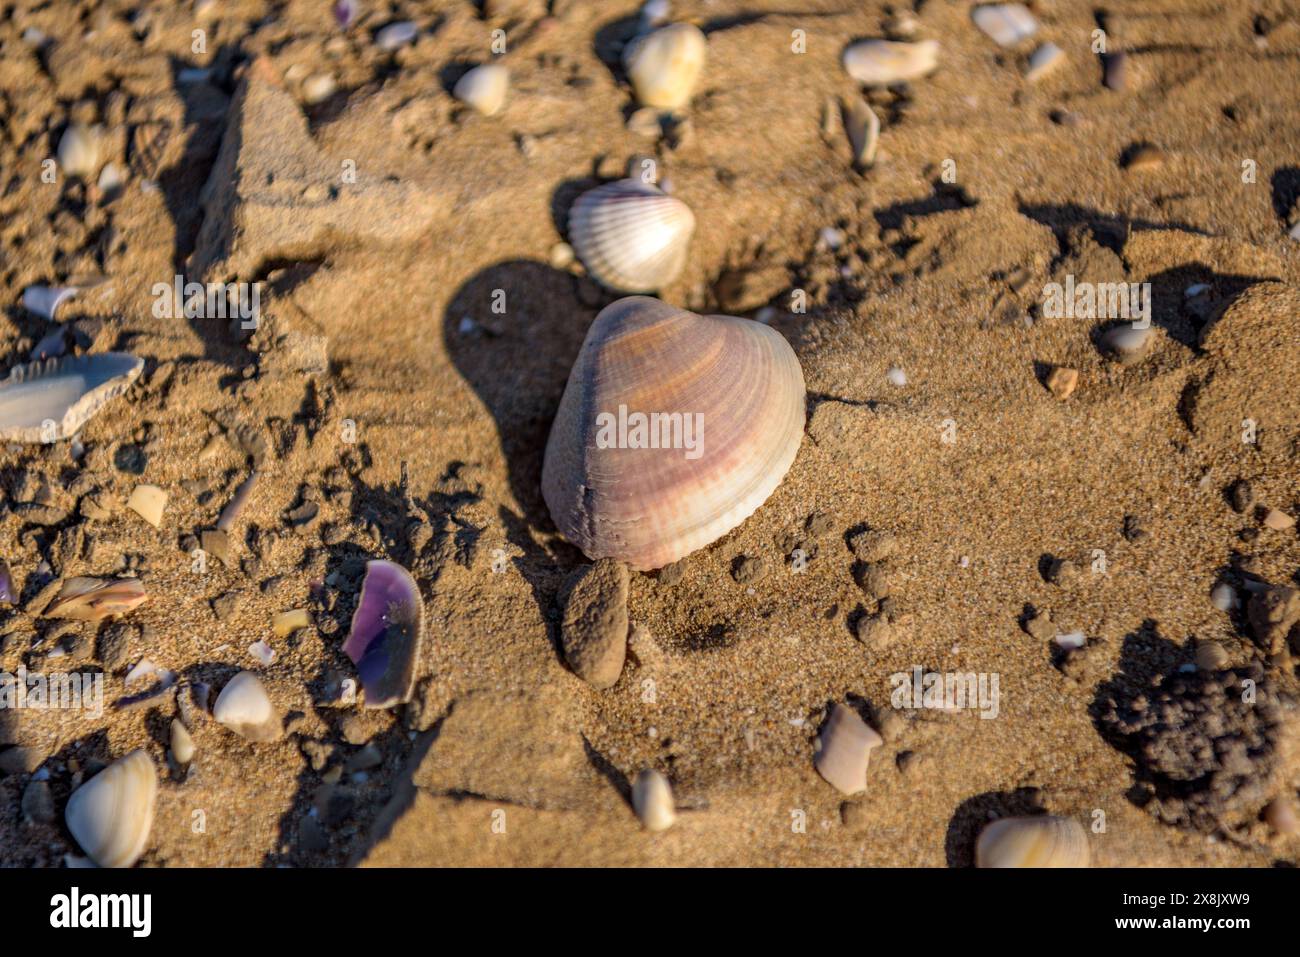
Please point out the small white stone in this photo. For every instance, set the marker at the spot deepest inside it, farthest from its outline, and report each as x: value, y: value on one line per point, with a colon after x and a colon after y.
x: 652, y: 799
x: 484, y: 88
x: 1223, y: 597
x: 896, y: 377
x: 395, y: 35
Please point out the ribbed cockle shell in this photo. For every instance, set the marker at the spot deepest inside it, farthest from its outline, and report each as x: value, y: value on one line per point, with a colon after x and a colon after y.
x: 631, y: 236
x: 1043, y: 841
x: 673, y: 429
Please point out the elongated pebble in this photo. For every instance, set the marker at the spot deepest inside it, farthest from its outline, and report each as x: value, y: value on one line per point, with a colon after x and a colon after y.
x: 1044, y: 60
x: 652, y: 799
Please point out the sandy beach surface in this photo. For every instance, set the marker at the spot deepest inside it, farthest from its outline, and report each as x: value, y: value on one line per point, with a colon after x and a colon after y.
x: 418, y: 321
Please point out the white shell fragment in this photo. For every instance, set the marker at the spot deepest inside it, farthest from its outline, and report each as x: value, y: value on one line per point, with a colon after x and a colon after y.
x: 631, y: 236
x: 148, y: 501
x: 652, y: 799
x: 844, y: 749
x: 111, y: 815
x: 44, y: 301
x: 885, y: 62
x: 395, y: 35
x: 50, y: 400
x: 245, y: 708
x: 484, y: 88
x: 665, y: 65
x: 1043, y: 841
x: 79, y: 150
x: 1223, y: 596
x: 1125, y: 343
x: 1006, y: 24
x: 863, y: 129
x: 1044, y: 60
x: 182, y: 745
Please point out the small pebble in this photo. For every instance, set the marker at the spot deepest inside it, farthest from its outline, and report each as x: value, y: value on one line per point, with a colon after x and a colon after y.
x: 1115, y: 71
x: 749, y: 569
x: 896, y: 377
x: 1062, y: 381
x: 594, y: 632
x: 1242, y: 496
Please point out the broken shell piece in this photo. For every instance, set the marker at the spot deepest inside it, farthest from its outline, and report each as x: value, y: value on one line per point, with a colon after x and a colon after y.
x: 631, y: 236
x: 182, y: 745
x: 111, y: 815
x: 1044, y: 60
x: 395, y: 35
x: 1278, y: 520
x: 1044, y: 841
x: 652, y: 799
x: 90, y: 599
x: 246, y: 709
x: 148, y: 501
x: 287, y: 622
x: 863, y: 129
x: 48, y: 401
x: 844, y: 749
x: 885, y: 62
x: 665, y: 65
x: 8, y: 594
x: 1006, y: 24
x: 44, y: 301
x: 733, y: 383
x: 79, y: 150
x: 484, y: 88
x: 1126, y: 343
x: 318, y: 88
x: 262, y: 652
x: 384, y: 642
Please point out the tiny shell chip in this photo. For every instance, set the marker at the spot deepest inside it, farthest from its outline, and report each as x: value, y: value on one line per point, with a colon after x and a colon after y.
x: 384, y: 642
x: 886, y: 62
x: 395, y: 35
x: 51, y: 400
x: 844, y: 749
x: 1006, y: 24
x: 1044, y: 841
x: 90, y: 599
x: 148, y: 501
x: 484, y: 88
x: 652, y: 799
x: 863, y: 129
x: 1126, y: 343
x: 111, y: 815
x: 246, y: 709
x: 1043, y: 60
x: 287, y: 622
x: 8, y: 594
x: 44, y: 301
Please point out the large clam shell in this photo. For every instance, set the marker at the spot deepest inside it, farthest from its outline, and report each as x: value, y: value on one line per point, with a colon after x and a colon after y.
x: 111, y: 815
x: 665, y: 64
x: 62, y: 392
x: 631, y: 236
x: 1043, y: 841
x: 649, y: 506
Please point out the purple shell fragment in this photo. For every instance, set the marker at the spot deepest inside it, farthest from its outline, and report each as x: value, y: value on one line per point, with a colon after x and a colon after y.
x: 345, y: 12
x: 384, y: 642
x: 8, y: 595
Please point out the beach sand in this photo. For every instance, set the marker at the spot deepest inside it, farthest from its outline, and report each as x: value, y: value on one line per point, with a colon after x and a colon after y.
x: 978, y: 200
